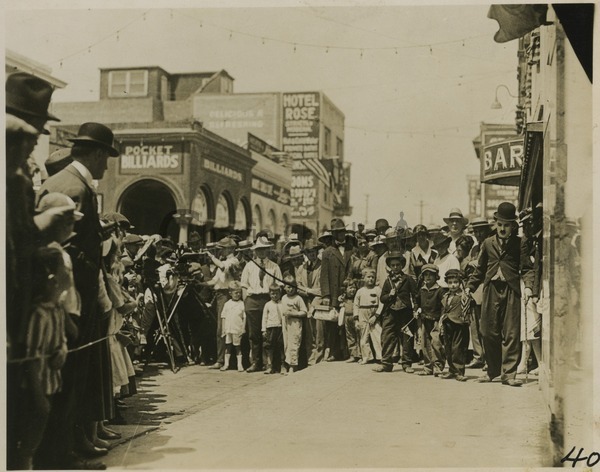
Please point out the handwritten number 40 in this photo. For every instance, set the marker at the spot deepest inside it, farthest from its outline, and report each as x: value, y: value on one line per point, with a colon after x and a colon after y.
x: 591, y: 460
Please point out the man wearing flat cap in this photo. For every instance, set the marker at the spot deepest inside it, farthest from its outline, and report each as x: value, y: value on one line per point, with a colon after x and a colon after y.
x: 89, y: 370
x: 335, y: 269
x: 503, y: 261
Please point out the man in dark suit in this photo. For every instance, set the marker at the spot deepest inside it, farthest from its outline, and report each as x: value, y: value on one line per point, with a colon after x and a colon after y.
x: 335, y: 268
x: 503, y: 260
x: 87, y: 397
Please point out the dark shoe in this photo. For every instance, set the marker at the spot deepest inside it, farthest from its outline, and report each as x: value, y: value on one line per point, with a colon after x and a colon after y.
x: 215, y: 366
x: 382, y: 368
x: 252, y: 368
x: 475, y: 365
x: 92, y: 451
x: 351, y: 360
x: 483, y: 379
x: 424, y: 372
x: 331, y: 359
x: 447, y: 375
x: 461, y: 378
x: 101, y: 443
x: 408, y: 370
x: 108, y: 436
x: 512, y: 382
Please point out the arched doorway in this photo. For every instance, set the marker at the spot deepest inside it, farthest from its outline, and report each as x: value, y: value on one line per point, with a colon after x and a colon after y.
x: 149, y: 205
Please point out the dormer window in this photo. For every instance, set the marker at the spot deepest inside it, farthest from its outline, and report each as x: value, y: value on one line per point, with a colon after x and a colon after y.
x: 127, y: 83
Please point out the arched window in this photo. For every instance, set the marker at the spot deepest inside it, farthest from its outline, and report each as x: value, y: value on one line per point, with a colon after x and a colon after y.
x: 222, y: 212
x: 257, y: 222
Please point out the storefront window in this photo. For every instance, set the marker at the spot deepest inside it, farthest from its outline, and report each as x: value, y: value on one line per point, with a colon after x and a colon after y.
x: 271, y: 222
x: 222, y: 214
x: 240, y: 217
x: 257, y: 219
x: 285, y: 221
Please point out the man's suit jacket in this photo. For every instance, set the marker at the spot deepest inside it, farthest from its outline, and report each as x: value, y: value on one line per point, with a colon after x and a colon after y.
x: 513, y: 260
x: 335, y: 268
x: 88, y: 240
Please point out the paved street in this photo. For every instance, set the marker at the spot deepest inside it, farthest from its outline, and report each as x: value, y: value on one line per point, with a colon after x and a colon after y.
x: 331, y: 415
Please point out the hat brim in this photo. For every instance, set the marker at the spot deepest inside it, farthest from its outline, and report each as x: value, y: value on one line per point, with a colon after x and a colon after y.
x: 112, y: 152
x: 506, y: 220
x: 441, y: 243
x: 261, y: 246
x: 464, y: 220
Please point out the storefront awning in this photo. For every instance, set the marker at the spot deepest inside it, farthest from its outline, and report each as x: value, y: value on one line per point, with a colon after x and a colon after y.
x: 532, y: 161
x: 502, y: 161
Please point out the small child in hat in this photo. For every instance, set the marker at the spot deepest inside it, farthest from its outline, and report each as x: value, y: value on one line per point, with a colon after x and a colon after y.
x: 294, y: 309
x: 234, y: 325
x: 456, y: 316
x: 272, y: 330
x: 429, y: 312
x: 366, y: 302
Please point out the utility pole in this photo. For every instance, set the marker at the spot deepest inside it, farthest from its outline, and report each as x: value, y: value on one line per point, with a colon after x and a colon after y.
x: 421, y: 204
x: 366, y: 209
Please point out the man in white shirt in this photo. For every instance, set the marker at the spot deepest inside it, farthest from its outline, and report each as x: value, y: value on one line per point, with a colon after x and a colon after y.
x: 444, y: 260
x: 257, y: 277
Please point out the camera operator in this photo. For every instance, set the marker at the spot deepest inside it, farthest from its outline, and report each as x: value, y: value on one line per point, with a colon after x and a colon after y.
x: 228, y: 270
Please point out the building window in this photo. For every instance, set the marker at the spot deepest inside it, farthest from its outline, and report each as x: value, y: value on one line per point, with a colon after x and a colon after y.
x: 326, y: 141
x: 128, y: 83
x: 339, y: 149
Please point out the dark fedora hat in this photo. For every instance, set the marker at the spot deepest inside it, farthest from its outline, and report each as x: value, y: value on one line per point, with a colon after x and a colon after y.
x: 26, y: 93
x: 337, y: 224
x: 506, y: 212
x: 440, y: 239
x: 395, y: 255
x: 96, y: 134
x: 382, y: 223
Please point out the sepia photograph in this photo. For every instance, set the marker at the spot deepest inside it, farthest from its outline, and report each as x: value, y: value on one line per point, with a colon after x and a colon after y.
x: 299, y: 234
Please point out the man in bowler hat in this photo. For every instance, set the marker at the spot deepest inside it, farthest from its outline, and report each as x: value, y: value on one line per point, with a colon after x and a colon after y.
x: 335, y: 268
x: 503, y: 259
x: 87, y: 375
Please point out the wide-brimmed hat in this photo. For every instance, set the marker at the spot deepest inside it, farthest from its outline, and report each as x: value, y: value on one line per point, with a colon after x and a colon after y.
x: 480, y: 222
x: 431, y: 268
x: 262, y: 243
x: 395, y: 255
x: 456, y: 214
x: 133, y: 239
x: 391, y: 233
x: 378, y: 241
x: 226, y: 242
x: 28, y: 94
x: 59, y: 201
x: 295, y: 252
x: 382, y: 223
x: 337, y: 224
x: 325, y: 235
x: 292, y: 241
x: 245, y: 245
x: 506, y: 212
x: 118, y: 218
x: 98, y: 135
x: 440, y: 239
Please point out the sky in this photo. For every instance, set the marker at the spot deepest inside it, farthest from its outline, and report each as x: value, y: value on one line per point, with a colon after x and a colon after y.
x: 414, y: 82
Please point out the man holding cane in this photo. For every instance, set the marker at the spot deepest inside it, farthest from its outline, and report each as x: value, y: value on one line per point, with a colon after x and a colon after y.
x: 503, y: 259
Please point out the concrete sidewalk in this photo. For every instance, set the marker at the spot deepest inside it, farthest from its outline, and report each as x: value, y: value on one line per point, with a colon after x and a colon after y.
x: 339, y: 415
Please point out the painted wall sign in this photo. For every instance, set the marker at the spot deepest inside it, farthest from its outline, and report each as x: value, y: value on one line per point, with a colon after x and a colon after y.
x: 140, y: 156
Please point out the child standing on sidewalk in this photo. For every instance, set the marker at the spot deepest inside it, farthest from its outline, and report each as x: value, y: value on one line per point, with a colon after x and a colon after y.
x: 272, y: 330
x: 294, y: 309
x: 455, y: 325
x: 366, y: 302
x: 47, y: 345
x: 429, y: 312
x: 234, y: 325
x: 349, y: 319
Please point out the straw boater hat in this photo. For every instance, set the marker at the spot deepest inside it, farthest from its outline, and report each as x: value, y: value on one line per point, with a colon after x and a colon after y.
x: 480, y: 222
x: 456, y: 214
x: 378, y: 241
x: 391, y: 233
x: 507, y: 212
x: 292, y: 241
x: 325, y: 236
x: 395, y: 255
x: 262, y: 242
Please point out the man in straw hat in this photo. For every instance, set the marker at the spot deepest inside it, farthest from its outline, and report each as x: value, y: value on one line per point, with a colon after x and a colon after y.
x: 502, y: 261
x: 258, y: 275
x: 90, y: 374
x: 336, y: 267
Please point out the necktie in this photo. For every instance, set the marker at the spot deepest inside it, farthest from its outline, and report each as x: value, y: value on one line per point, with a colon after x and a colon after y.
x: 261, y: 275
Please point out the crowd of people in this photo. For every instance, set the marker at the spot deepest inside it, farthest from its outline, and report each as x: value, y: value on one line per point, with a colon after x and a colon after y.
x: 87, y: 297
